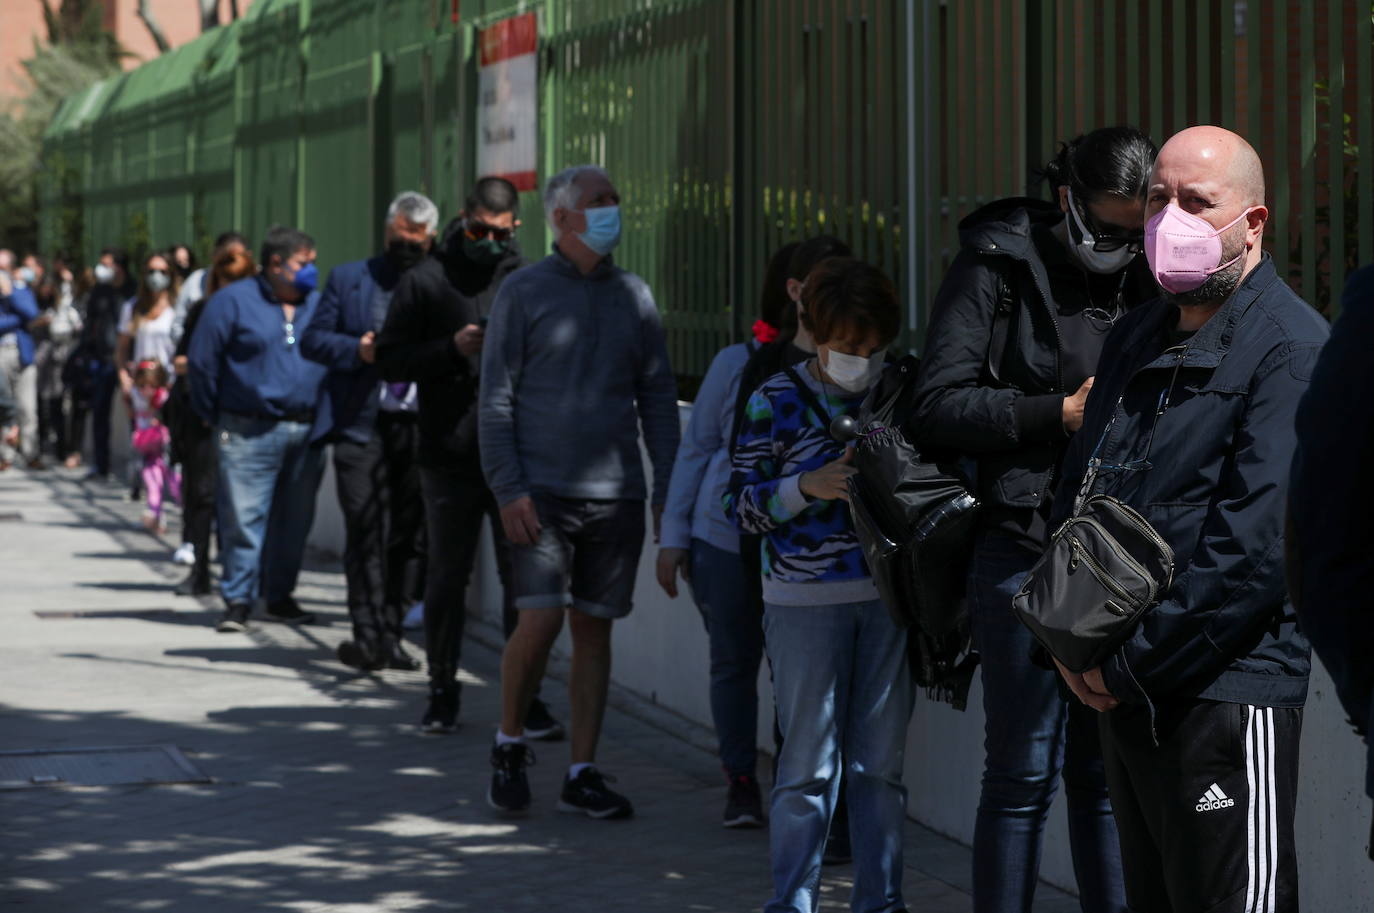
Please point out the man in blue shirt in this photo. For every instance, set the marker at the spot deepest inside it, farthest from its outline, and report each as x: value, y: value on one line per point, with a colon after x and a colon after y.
x: 252, y: 384
x: 18, y: 309
x: 372, y: 426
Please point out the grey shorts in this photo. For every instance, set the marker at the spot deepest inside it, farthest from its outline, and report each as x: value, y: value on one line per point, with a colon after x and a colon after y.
x: 586, y: 557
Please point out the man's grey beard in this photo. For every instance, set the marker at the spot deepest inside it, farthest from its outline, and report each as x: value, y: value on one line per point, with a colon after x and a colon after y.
x: 1219, y: 286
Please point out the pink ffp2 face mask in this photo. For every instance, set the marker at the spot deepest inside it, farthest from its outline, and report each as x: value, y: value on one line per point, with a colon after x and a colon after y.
x: 1183, y: 249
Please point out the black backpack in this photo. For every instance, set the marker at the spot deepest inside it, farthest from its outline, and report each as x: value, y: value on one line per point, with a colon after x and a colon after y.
x: 916, y: 521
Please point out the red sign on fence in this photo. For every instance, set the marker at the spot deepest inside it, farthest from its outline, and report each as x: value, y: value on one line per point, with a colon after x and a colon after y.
x: 508, y: 101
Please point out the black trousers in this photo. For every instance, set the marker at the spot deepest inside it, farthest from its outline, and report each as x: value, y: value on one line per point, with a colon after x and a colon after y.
x: 383, y: 522
x: 1206, y: 815
x: 199, y: 478
x: 455, y: 505
x: 102, y: 401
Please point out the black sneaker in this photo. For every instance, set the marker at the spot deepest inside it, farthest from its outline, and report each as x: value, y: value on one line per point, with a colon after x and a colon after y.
x: 235, y: 618
x: 589, y: 795
x: 197, y: 583
x: 442, y: 714
x: 540, y: 725
x: 744, y: 803
x: 397, y: 658
x: 510, y: 788
x: 289, y: 611
x: 359, y: 656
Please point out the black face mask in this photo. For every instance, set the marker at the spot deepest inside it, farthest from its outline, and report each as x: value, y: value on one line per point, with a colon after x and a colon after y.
x: 404, y: 254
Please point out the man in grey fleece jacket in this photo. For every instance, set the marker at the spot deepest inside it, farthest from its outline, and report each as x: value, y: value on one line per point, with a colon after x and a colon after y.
x: 575, y: 364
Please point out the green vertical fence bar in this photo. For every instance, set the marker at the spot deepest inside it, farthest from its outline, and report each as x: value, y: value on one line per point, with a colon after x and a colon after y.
x: 1282, y: 217
x: 1364, y: 124
x: 1130, y: 10
x: 1307, y: 132
x: 1254, y: 40
x: 1335, y: 140
x: 1112, y: 64
x: 1227, y: 114
x: 1202, y: 37
x: 1154, y: 42
x: 1182, y: 24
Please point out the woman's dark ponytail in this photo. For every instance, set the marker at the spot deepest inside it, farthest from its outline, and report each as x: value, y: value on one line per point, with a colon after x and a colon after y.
x: 1111, y: 161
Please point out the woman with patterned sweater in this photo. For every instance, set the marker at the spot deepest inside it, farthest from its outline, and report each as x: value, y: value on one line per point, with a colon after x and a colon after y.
x: 840, y: 675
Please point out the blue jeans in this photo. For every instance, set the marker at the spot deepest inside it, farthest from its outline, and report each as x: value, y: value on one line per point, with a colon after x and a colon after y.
x: 844, y: 696
x: 735, y: 627
x: 268, y: 474
x: 1032, y: 737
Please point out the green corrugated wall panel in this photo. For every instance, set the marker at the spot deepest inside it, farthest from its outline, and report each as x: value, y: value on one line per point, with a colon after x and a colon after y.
x: 267, y: 103
x: 337, y: 179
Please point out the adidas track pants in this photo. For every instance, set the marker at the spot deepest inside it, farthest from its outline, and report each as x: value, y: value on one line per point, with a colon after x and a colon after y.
x: 1205, y: 816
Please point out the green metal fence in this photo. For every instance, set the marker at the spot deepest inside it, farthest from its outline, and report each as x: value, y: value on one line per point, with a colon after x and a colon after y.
x: 732, y: 126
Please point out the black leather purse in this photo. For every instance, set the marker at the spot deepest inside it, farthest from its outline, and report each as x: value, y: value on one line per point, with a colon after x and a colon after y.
x: 1104, y: 569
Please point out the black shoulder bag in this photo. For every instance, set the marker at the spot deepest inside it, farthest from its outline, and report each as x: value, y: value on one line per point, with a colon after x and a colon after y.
x: 1105, y: 567
x: 915, y: 521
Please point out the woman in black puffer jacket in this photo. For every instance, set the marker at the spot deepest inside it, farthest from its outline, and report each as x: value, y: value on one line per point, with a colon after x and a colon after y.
x: 1011, y: 352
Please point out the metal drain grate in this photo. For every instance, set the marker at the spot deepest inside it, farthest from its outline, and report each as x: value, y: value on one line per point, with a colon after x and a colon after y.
x: 97, y: 767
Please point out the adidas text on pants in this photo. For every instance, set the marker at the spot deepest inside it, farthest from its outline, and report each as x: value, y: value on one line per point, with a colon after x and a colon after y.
x: 1206, y: 815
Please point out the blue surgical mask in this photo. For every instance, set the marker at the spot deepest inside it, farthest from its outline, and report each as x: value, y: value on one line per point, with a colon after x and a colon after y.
x: 26, y: 275
x: 307, y: 279
x: 603, y: 228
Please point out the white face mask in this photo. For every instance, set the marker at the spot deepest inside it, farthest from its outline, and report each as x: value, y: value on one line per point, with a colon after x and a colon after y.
x: 158, y: 281
x: 1098, y: 261
x: 104, y: 273
x: 854, y: 373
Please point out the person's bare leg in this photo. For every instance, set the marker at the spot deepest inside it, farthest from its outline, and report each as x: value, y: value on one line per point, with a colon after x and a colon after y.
x: 523, y: 662
x: 588, y: 683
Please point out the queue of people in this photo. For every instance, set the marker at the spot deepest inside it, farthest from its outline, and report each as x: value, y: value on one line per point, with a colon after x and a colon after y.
x: 1129, y: 338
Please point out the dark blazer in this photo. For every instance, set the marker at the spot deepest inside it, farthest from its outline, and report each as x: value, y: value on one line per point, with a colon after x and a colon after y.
x: 1214, y: 488
x: 1330, y: 503
x: 349, y: 395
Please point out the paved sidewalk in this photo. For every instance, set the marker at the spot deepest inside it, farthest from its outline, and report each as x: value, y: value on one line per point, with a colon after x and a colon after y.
x: 325, y: 797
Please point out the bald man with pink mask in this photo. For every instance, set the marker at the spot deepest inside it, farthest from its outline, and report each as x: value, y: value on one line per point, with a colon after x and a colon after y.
x: 1191, y: 423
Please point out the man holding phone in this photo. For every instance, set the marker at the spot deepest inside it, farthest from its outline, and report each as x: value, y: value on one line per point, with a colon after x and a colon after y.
x: 433, y: 336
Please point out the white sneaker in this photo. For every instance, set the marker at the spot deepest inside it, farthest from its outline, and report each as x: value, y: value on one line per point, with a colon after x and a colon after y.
x: 415, y: 618
x: 185, y: 554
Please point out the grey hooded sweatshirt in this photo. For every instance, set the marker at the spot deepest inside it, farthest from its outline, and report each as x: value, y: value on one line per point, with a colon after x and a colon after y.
x: 572, y: 368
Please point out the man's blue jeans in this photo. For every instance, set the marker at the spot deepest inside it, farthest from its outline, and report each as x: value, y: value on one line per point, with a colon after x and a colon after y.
x: 1033, y: 735
x: 269, y: 474
x: 735, y: 628
x: 844, y: 696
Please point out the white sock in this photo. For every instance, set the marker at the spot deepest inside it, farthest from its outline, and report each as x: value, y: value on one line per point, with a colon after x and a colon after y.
x: 503, y: 739
x: 577, y: 769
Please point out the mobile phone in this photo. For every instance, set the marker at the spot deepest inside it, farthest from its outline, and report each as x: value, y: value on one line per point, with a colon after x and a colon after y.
x: 482, y: 322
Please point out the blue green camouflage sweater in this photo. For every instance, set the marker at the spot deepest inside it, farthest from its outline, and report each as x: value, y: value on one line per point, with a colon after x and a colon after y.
x: 810, y: 553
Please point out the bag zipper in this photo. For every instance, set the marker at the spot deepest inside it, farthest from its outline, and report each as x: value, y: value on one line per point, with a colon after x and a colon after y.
x: 1078, y: 550
x: 1126, y: 558
x: 1150, y: 533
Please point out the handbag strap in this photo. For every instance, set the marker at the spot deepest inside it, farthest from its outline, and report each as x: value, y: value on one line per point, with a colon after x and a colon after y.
x: 1095, y: 464
x: 1001, y: 327
x: 809, y: 397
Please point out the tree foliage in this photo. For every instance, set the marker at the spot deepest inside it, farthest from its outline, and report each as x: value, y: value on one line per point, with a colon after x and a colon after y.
x: 78, y: 52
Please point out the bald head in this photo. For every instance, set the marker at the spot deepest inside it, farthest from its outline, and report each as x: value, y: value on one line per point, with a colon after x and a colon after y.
x: 1218, y: 156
